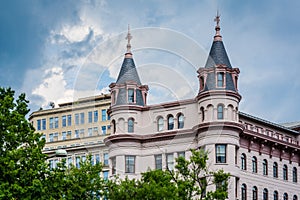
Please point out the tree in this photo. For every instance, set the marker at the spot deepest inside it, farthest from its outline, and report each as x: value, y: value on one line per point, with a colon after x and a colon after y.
x: 22, y: 163
x: 24, y: 170
x: 189, y: 181
x: 70, y: 182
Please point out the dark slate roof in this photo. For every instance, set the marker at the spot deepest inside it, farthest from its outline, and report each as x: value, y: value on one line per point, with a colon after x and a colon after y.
x: 217, y: 55
x: 128, y: 72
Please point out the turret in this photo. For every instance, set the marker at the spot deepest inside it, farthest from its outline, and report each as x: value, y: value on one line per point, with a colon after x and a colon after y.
x: 218, y: 95
x: 127, y: 93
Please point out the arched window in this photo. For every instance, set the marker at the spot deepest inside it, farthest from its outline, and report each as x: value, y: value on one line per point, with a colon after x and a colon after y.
x: 180, y: 120
x: 170, y: 122
x: 265, y: 194
x: 285, y: 196
x: 130, y: 125
x: 295, y: 179
x: 295, y: 197
x: 220, y: 111
x: 275, y: 195
x: 254, y: 193
x: 113, y: 122
x: 275, y: 170
x: 202, y: 113
x: 244, y: 192
x: 254, y: 164
x: 160, y: 124
x: 265, y: 167
x: 285, y: 172
x: 243, y: 162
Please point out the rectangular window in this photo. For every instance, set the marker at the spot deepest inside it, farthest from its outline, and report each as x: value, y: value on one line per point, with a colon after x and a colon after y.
x: 43, y: 124
x: 220, y: 79
x: 38, y: 124
x: 170, y: 161
x: 69, y: 120
x: 55, y: 135
x: 51, y: 137
x: 64, y: 135
x: 92, y: 160
x: 129, y: 164
x: 103, y: 114
x: 81, y: 118
x: 96, y: 116
x: 69, y: 134
x: 97, y: 158
x: 43, y: 137
x: 70, y: 161
x: 105, y: 175
x: 90, y: 116
x: 105, y: 155
x: 103, y: 128
x: 78, y: 161
x: 51, y: 120
x: 64, y: 121
x: 220, y: 153
x: 113, y: 165
x: 130, y: 95
x: 90, y: 132
x: 81, y: 132
x: 108, y: 127
x: 181, y: 154
x: 76, y: 133
x: 108, y: 117
x: 56, y: 122
x: 83, y: 158
x: 95, y: 130
x: 76, y: 118
x: 158, y: 161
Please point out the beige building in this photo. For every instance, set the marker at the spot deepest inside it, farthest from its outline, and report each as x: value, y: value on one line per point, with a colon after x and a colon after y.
x: 78, y: 127
x: 263, y: 158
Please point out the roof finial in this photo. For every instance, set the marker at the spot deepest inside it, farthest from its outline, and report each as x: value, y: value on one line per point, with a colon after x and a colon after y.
x: 218, y: 36
x: 128, y: 38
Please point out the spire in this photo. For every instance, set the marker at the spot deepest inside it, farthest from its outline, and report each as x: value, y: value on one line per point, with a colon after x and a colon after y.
x: 128, y: 53
x: 218, y: 36
x: 217, y: 55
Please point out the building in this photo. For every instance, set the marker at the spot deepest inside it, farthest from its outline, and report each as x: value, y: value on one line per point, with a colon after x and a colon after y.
x: 262, y: 157
x: 78, y: 127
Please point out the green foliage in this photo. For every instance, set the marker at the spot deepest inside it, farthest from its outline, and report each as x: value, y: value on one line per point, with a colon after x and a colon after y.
x: 22, y: 163
x: 24, y: 170
x: 188, y: 181
x: 70, y: 182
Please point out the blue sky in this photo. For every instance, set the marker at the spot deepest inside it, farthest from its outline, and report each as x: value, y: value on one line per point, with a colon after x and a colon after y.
x: 60, y: 50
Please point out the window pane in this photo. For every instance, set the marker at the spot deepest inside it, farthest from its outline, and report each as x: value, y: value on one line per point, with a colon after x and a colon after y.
x: 180, y: 121
x: 220, y: 111
x: 103, y: 128
x: 90, y: 116
x: 81, y: 118
x: 96, y: 116
x: 170, y: 122
x: 105, y: 155
x: 64, y: 121
x: 103, y: 115
x: 160, y: 124
x: 158, y: 161
x: 69, y: 120
x: 170, y: 161
x: 130, y: 95
x: 76, y: 118
x: 129, y: 164
x: 220, y: 79
x: 130, y: 126
x: 221, y: 153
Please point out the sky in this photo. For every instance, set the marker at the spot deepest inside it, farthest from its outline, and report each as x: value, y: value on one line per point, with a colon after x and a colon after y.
x: 58, y: 51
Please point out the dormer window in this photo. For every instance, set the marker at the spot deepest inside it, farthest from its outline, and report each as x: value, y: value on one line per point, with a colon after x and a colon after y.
x: 130, y: 95
x: 220, y: 79
x: 201, y: 83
